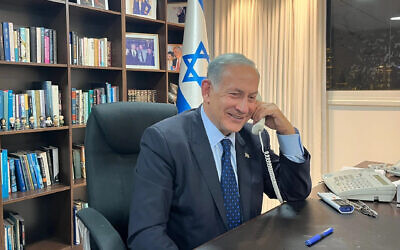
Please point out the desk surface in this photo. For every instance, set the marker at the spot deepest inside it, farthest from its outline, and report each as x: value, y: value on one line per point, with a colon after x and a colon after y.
x: 290, y: 224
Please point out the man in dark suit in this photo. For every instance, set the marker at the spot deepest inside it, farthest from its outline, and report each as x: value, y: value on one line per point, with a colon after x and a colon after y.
x: 202, y: 173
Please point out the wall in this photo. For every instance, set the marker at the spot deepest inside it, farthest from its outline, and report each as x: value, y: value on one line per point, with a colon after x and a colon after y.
x: 363, y: 125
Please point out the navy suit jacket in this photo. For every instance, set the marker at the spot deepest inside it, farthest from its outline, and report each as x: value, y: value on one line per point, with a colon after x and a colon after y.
x: 177, y: 199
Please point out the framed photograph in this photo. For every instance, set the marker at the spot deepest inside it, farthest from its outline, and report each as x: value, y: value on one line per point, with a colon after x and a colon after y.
x: 176, y: 12
x: 143, y: 8
x: 174, y: 57
x: 142, y: 51
x: 102, y: 4
x: 85, y: 2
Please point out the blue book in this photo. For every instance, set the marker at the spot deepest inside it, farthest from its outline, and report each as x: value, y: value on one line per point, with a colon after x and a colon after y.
x: 20, y: 175
x: 5, y: 100
x: 4, y: 174
x: 1, y: 105
x: 37, y: 169
x: 13, y: 179
x: 6, y: 41
x: 108, y: 92
x: 10, y: 107
x: 35, y: 180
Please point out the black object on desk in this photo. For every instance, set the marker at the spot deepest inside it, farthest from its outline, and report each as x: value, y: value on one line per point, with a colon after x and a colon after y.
x: 290, y: 224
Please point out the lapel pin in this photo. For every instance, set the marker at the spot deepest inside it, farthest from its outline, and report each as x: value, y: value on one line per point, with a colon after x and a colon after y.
x: 246, y: 155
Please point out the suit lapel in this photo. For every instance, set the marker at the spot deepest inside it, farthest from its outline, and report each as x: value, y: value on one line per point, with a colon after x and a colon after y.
x: 202, y: 152
x: 244, y: 176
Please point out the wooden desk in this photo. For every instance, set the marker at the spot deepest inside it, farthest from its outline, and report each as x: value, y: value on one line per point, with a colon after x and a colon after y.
x: 290, y: 224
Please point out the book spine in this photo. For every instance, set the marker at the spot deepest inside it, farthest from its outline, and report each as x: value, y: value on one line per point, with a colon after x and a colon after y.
x: 5, y: 98
x: 51, y: 58
x: 54, y: 96
x: 32, y: 170
x: 11, y: 36
x: 19, y: 174
x: 73, y: 105
x: 33, y: 46
x: 38, y: 45
x: 4, y: 171
x: 23, y: 44
x: 42, y: 45
x: 1, y: 43
x: 28, y: 45
x: 46, y: 86
x: 40, y: 162
x: 13, y: 178
x: 47, y: 46
x: 6, y: 40
x: 36, y: 166
x: 55, y: 47
x: 10, y: 107
x: 16, y: 43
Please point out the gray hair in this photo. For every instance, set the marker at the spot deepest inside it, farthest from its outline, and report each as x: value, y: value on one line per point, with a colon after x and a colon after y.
x: 216, y: 66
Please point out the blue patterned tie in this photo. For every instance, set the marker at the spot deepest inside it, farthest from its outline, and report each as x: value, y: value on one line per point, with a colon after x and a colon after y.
x: 229, y: 187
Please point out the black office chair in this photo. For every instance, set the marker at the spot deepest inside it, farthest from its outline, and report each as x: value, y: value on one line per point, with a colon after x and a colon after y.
x: 113, y: 134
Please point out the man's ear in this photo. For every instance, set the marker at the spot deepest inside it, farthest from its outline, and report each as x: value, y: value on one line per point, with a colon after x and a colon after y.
x: 205, y: 89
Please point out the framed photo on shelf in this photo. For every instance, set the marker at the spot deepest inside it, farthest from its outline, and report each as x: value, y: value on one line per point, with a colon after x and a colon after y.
x: 143, y: 8
x: 85, y: 2
x: 102, y: 4
x: 176, y: 12
x: 142, y: 51
x: 174, y: 57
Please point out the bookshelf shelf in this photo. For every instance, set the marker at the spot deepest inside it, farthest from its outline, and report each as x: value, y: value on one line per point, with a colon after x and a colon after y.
x: 48, y: 212
x: 79, y: 183
x: 139, y: 19
x: 31, y: 64
x: 48, y: 244
x: 96, y: 11
x: 20, y: 196
x: 36, y: 130
x: 79, y: 126
x: 147, y: 70
x: 94, y: 67
x: 176, y: 26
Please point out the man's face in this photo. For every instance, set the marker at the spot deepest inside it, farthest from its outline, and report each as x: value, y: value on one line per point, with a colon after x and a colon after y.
x: 231, y: 104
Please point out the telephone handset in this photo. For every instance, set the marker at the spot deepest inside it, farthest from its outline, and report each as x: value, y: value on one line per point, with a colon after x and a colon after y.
x: 257, y: 130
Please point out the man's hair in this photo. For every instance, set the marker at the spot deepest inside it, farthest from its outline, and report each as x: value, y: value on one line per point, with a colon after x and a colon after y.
x: 217, y: 66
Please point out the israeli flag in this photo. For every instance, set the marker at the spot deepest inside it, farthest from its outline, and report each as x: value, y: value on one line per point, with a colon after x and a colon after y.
x: 195, y: 57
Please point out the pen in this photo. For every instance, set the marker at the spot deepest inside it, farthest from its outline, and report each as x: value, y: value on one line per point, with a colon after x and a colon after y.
x: 319, y: 237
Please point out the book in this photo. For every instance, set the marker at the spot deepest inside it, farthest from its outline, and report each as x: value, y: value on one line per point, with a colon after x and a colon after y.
x: 13, y: 178
x: 6, y: 41
x: 1, y: 44
x: 76, y: 163
x: 21, y: 186
x: 4, y: 174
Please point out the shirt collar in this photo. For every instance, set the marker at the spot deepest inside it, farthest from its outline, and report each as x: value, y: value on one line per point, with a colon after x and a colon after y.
x: 214, y: 135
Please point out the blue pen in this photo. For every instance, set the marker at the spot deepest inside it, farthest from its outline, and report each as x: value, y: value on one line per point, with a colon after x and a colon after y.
x: 319, y: 237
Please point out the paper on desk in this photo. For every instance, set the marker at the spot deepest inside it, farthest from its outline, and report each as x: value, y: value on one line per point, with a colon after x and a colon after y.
x: 379, y: 171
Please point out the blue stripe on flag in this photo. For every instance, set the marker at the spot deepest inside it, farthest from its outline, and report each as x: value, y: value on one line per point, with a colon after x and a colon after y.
x: 181, y: 102
x: 201, y: 4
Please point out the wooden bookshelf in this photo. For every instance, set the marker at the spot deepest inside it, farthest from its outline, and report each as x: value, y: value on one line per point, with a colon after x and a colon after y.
x: 48, y: 211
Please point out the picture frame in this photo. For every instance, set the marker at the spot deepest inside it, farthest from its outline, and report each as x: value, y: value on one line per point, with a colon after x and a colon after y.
x: 174, y: 57
x: 142, y: 51
x: 142, y: 8
x: 176, y: 12
x: 102, y: 4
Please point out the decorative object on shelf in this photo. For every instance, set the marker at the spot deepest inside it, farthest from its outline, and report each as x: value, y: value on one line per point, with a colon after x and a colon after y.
x: 142, y: 51
x: 101, y: 4
x: 12, y: 123
x: 49, y: 122
x: 61, y: 120
x: 172, y: 93
x: 143, y: 8
x: 23, y: 123
x: 42, y: 122
x: 176, y: 12
x: 31, y: 122
x: 17, y: 124
x: 3, y: 125
x: 174, y: 57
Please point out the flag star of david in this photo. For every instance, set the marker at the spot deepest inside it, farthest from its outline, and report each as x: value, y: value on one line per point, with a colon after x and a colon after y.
x: 190, y: 61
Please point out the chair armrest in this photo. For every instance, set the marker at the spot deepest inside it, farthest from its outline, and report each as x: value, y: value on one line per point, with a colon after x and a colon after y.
x: 101, y: 230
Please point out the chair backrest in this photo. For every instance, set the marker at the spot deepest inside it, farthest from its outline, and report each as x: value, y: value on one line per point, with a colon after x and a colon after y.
x: 112, y: 144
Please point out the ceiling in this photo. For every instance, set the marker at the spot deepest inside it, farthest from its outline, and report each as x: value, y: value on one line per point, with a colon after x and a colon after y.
x: 364, y: 15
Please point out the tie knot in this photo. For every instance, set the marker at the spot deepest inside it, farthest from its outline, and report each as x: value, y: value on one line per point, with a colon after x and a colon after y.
x: 226, y: 145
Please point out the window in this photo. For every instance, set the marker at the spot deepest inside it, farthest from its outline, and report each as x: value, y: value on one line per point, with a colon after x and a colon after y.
x: 363, y: 45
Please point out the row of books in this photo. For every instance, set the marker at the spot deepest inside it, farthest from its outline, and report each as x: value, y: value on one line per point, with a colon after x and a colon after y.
x: 33, y: 109
x: 83, y: 101
x: 78, y: 161
x: 78, y: 205
x: 142, y: 95
x: 27, y: 44
x: 29, y: 170
x: 14, y: 231
x: 89, y: 51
